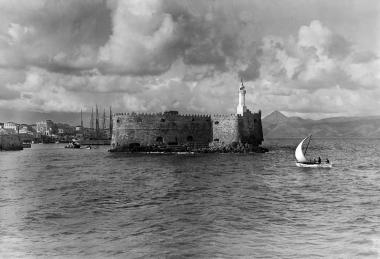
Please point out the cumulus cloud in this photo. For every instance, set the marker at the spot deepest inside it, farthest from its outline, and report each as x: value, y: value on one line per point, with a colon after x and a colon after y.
x: 313, y: 61
x: 148, y: 37
x: 156, y: 55
x: 316, y: 72
x: 142, y: 39
x: 322, y: 40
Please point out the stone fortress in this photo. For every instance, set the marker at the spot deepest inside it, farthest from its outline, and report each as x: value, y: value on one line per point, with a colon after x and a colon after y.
x: 171, y: 131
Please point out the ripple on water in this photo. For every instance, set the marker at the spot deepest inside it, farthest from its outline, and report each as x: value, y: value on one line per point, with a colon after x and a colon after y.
x: 97, y: 204
x: 49, y: 167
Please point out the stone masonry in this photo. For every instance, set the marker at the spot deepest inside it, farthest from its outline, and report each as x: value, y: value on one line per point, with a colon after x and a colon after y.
x: 169, y: 130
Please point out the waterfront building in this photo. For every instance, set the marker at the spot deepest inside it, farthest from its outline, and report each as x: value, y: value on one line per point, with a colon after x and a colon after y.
x: 45, y: 127
x: 12, y: 126
x: 25, y: 129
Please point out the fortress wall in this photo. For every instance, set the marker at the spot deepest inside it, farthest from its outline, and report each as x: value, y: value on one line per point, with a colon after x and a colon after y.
x: 224, y: 129
x: 170, y: 128
x: 173, y: 115
x: 250, y: 129
x: 246, y: 124
x: 258, y: 128
x: 156, y: 129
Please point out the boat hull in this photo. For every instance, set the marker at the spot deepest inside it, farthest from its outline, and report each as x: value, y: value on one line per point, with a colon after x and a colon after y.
x: 311, y: 165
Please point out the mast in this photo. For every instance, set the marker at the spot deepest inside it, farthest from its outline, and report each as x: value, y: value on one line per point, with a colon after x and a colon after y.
x: 92, y: 118
x: 81, y: 119
x: 97, y: 122
x: 111, y: 123
x: 104, y: 119
x: 307, y: 144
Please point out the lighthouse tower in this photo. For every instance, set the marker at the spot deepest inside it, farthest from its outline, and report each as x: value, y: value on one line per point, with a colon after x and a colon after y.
x: 241, y: 108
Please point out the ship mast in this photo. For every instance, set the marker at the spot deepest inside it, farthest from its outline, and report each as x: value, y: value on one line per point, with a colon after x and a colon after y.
x: 104, y: 119
x: 92, y: 118
x: 97, y: 122
x: 111, y: 122
x: 81, y: 119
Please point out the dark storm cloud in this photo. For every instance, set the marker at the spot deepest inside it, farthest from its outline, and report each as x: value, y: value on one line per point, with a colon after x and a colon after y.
x: 147, y: 38
x: 251, y: 72
x: 56, y: 35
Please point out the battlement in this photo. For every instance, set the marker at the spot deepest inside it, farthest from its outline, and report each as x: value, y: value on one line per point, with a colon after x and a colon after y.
x: 224, y: 115
x: 171, y: 115
x: 167, y: 114
x: 137, y: 114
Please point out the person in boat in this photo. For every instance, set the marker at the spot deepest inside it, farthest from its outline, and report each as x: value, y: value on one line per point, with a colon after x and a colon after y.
x: 319, y: 160
x: 327, y: 161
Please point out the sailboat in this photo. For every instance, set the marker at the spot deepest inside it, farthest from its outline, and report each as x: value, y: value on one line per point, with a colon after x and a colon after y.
x: 301, y: 159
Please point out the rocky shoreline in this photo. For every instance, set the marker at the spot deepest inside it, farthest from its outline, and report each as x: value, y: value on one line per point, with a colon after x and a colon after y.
x: 239, y: 148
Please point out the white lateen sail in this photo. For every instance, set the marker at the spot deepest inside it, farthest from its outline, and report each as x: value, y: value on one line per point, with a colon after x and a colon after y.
x: 299, y: 153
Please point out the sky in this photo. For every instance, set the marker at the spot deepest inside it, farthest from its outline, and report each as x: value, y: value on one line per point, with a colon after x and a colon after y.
x: 307, y: 58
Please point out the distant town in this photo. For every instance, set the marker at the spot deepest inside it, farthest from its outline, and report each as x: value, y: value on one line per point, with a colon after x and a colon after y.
x: 99, y: 131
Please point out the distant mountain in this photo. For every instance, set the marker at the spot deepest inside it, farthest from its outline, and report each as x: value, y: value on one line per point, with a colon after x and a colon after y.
x: 277, y: 125
x: 31, y: 117
x: 275, y: 118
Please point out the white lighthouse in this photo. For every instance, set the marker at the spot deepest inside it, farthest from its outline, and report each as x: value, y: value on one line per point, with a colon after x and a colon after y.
x: 241, y: 108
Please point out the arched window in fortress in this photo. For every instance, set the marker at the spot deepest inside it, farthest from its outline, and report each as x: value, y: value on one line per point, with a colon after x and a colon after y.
x: 118, y: 120
x: 162, y: 120
x: 159, y: 139
x: 190, y: 139
x: 216, y: 122
x: 139, y: 119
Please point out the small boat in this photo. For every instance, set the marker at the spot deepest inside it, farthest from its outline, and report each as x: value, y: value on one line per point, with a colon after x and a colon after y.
x: 314, y: 165
x: 26, y: 145
x: 74, y: 144
x: 303, y: 162
x: 185, y: 153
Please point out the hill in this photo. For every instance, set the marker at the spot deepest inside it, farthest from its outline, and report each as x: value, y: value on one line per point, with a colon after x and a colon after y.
x: 277, y: 125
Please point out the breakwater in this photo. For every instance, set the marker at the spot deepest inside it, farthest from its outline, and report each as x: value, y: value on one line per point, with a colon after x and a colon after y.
x: 232, y: 148
x: 10, y: 142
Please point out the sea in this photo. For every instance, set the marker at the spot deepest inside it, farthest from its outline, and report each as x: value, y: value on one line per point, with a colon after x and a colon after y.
x: 79, y: 203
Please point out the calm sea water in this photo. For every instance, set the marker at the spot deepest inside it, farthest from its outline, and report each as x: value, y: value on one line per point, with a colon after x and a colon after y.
x: 91, y: 203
